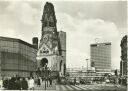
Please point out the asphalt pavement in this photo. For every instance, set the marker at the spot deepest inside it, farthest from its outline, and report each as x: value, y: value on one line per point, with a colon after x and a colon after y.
x: 96, y: 87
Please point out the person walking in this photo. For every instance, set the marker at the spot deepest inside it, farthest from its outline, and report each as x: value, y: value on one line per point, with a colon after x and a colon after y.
x: 18, y: 83
x: 38, y: 82
x: 24, y: 84
x: 50, y: 81
x: 12, y: 84
x: 31, y: 83
x: 74, y: 81
x: 1, y: 83
x: 6, y: 83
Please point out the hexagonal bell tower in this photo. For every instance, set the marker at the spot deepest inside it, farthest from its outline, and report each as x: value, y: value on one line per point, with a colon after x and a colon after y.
x: 48, y: 52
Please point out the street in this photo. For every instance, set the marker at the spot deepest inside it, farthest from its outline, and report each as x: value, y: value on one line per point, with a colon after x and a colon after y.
x: 97, y: 87
x: 63, y: 46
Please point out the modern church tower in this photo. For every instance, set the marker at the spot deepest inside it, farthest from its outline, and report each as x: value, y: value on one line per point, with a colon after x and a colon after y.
x: 49, y: 47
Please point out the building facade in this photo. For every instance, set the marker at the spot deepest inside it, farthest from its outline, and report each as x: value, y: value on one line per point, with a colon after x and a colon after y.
x: 83, y: 73
x: 17, y: 57
x: 62, y: 50
x: 124, y: 56
x: 101, y: 56
x: 52, y: 47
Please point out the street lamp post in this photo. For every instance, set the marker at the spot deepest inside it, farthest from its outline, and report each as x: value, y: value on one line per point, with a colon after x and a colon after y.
x: 45, y: 69
x: 87, y: 64
x: 44, y: 72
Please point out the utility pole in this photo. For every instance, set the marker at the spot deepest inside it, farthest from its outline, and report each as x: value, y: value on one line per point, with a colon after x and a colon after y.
x: 87, y: 64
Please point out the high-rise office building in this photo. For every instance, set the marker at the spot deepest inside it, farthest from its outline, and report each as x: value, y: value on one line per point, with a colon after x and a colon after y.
x: 101, y: 56
x: 124, y: 56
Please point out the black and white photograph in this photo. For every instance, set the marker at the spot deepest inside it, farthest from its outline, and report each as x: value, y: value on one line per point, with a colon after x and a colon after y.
x: 63, y: 45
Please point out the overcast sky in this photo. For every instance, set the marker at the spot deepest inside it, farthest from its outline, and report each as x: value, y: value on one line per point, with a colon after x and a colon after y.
x: 82, y: 21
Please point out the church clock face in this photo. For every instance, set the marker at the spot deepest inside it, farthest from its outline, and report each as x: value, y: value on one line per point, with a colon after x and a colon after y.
x: 45, y: 38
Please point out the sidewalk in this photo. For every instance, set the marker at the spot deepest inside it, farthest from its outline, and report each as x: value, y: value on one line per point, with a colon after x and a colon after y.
x: 42, y: 87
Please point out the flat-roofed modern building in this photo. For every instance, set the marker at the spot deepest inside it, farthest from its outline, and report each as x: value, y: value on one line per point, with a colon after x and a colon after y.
x: 83, y: 73
x: 17, y: 57
x: 101, y: 56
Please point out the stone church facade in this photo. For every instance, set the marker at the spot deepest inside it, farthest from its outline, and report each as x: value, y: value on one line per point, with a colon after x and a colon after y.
x: 52, y: 46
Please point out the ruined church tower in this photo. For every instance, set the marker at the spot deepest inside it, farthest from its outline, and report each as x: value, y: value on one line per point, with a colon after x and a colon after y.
x: 48, y: 52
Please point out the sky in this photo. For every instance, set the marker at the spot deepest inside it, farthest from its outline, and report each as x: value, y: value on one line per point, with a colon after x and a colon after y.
x: 83, y: 21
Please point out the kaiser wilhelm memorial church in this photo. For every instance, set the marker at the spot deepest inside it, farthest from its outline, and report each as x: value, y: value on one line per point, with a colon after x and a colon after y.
x: 52, y: 46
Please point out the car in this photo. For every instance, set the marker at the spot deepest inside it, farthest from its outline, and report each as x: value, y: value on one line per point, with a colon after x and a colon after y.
x: 77, y: 82
x: 107, y: 81
x: 63, y: 81
x: 87, y: 82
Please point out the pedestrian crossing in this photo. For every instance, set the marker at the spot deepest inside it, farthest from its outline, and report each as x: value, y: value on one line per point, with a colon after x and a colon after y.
x: 80, y: 87
x: 70, y: 87
x: 77, y: 87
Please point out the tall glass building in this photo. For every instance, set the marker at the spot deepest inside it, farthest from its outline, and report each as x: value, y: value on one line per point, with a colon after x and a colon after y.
x: 101, y: 57
x: 17, y: 57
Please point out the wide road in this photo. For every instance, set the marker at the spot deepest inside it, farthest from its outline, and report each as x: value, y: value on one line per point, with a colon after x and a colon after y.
x: 89, y: 88
x: 98, y: 87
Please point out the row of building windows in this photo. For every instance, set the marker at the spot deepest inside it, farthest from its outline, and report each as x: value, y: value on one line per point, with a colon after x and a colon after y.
x: 72, y: 74
x: 103, y: 66
x: 14, y: 73
x: 29, y: 67
x: 97, y: 57
x: 14, y: 58
x: 102, y: 62
x: 100, y: 52
x: 100, y: 55
x: 13, y: 49
x: 17, y: 57
x: 8, y: 43
x: 12, y: 44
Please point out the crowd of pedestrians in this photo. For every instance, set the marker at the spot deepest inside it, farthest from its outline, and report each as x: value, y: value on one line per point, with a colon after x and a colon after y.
x: 22, y: 83
x: 17, y: 83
